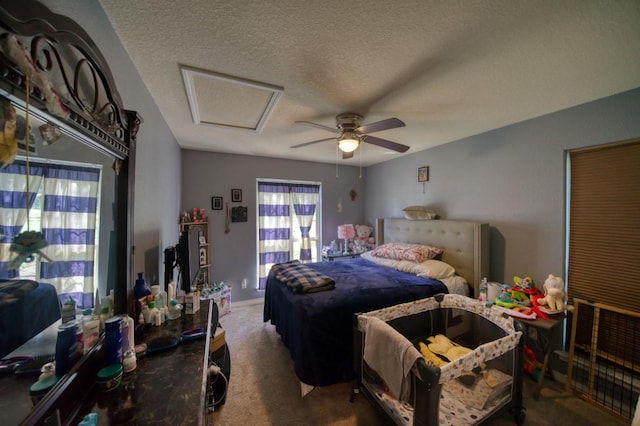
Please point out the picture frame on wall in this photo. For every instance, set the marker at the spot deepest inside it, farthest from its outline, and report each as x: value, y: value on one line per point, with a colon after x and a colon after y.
x: 239, y: 214
x: 423, y: 174
x: 236, y: 195
x: 216, y: 203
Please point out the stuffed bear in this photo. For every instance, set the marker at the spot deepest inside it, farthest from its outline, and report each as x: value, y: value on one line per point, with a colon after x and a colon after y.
x: 553, y: 293
x: 363, y: 238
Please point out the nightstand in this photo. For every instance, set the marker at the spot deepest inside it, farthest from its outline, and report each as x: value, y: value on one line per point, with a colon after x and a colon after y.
x: 332, y: 257
x: 542, y: 332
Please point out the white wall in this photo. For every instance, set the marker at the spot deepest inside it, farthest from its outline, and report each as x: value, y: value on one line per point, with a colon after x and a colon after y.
x: 233, y: 255
x: 512, y: 178
x: 157, y: 192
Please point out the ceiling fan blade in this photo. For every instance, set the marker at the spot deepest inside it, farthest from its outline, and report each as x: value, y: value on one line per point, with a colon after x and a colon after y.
x: 385, y: 143
x: 347, y: 155
x: 321, y: 126
x: 312, y: 142
x: 389, y: 123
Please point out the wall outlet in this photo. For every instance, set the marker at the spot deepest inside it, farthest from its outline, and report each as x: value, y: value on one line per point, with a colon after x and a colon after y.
x: 243, y: 283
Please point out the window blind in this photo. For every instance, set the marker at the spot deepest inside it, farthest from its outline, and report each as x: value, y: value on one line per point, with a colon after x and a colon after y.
x: 604, y: 225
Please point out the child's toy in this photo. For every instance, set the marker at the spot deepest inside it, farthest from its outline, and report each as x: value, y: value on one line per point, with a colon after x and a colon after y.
x: 531, y: 365
x: 520, y: 312
x: 363, y: 238
x: 505, y: 299
x: 525, y: 285
x: 554, y: 294
x: 520, y: 297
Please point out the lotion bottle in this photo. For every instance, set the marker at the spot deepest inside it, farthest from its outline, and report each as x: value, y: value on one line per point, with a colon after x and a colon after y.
x: 171, y: 290
x: 154, y: 314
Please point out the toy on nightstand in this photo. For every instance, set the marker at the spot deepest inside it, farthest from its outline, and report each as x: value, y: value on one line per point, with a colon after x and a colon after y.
x: 523, y: 289
x: 554, y: 295
x: 525, y: 285
x: 363, y: 238
x: 531, y: 365
x: 504, y: 299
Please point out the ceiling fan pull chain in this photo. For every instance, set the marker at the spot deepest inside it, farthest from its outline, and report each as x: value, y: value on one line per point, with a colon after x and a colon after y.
x: 360, y: 157
x: 337, y: 151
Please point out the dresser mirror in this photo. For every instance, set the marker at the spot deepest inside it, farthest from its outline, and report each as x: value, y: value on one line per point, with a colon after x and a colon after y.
x: 67, y: 150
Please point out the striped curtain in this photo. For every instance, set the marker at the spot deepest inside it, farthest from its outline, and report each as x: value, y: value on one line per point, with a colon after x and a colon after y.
x: 71, y: 196
x: 13, y: 207
x: 68, y: 223
x: 305, y: 199
x: 274, y: 227
x: 274, y: 222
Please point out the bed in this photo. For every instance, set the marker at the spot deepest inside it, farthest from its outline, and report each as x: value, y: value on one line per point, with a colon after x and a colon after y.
x: 317, y: 328
x: 26, y: 308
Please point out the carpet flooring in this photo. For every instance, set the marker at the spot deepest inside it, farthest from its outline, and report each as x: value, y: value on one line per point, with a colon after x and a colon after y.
x: 264, y: 390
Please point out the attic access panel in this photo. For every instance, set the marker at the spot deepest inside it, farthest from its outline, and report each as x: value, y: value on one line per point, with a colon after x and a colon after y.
x: 227, y: 101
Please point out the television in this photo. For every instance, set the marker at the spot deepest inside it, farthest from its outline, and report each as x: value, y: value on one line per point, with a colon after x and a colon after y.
x: 188, y: 257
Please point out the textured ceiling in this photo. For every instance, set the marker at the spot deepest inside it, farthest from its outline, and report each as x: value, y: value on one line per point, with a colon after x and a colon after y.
x: 448, y: 69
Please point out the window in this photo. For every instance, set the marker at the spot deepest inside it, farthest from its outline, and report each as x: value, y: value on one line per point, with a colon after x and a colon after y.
x: 63, y: 204
x: 602, y: 269
x: 604, y: 221
x: 288, y: 225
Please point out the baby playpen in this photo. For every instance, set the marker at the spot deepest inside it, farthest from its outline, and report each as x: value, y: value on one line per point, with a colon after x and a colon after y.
x: 394, y: 359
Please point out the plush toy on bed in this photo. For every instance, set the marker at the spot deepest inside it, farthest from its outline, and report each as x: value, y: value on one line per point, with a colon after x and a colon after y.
x: 363, y: 238
x: 553, y: 293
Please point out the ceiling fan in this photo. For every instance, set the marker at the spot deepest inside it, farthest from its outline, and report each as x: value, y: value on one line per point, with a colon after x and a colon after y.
x: 351, y: 132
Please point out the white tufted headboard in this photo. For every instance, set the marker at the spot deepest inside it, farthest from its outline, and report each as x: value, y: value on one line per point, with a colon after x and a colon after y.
x: 465, y: 244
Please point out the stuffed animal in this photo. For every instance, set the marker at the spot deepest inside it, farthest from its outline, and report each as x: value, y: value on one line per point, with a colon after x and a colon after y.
x: 553, y: 293
x: 523, y: 283
x: 363, y: 238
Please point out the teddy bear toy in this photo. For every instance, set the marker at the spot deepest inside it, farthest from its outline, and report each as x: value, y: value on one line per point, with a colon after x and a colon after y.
x: 553, y: 293
x: 363, y: 238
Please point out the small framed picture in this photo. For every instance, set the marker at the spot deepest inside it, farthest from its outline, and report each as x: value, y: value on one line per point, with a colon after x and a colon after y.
x: 239, y: 214
x: 216, y: 203
x: 423, y: 174
x: 236, y: 195
x: 202, y: 239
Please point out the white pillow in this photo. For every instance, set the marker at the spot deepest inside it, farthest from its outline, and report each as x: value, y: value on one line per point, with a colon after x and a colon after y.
x: 435, y: 269
x: 419, y: 213
x: 431, y: 268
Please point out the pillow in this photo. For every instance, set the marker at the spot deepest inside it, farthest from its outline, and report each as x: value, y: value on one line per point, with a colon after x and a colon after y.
x: 430, y: 268
x: 419, y: 213
x: 402, y: 251
x: 434, y: 269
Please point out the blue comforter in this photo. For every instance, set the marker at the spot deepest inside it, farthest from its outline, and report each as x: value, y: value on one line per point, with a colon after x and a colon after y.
x: 317, y: 328
x: 25, y: 313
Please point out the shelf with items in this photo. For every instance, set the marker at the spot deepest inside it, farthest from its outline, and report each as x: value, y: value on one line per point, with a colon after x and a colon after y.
x: 202, y: 224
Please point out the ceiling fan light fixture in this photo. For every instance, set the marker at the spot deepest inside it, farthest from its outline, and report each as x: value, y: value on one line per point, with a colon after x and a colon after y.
x: 348, y: 142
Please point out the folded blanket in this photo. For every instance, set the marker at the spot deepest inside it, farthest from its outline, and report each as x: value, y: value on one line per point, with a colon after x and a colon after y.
x: 300, y: 278
x: 391, y: 355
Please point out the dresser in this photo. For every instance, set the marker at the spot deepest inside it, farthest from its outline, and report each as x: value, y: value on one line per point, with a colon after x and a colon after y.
x: 168, y: 387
